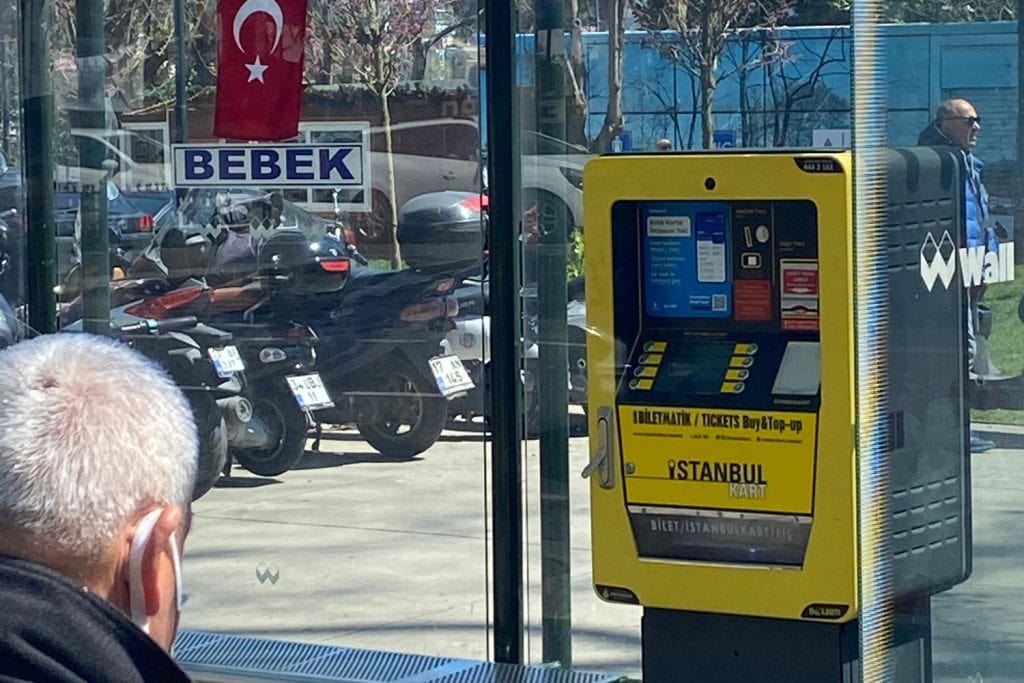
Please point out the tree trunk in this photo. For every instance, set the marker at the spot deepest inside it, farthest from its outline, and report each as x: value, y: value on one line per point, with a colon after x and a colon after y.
x: 396, y: 248
x: 707, y: 98
x: 577, y: 110
x: 709, y: 55
x: 613, y: 119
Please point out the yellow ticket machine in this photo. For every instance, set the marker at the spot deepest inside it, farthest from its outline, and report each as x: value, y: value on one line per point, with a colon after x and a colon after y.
x: 721, y: 390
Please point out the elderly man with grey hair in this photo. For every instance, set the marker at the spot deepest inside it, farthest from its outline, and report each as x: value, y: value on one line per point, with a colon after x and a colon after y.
x: 94, y: 510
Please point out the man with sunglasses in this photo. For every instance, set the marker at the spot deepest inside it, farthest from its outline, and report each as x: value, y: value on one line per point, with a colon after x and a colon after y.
x: 957, y: 124
x: 94, y: 510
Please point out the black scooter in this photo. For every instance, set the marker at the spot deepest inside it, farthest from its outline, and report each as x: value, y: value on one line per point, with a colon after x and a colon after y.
x: 181, y: 346
x: 379, y: 346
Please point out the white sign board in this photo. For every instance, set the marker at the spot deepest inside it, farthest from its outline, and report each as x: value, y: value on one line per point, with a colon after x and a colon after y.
x: 335, y: 165
x: 832, y: 137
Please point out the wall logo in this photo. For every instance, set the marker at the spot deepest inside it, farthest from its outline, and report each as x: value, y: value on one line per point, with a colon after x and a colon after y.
x: 267, y: 572
x: 978, y: 266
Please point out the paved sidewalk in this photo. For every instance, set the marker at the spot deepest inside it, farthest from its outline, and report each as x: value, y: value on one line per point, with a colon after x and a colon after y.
x: 359, y: 551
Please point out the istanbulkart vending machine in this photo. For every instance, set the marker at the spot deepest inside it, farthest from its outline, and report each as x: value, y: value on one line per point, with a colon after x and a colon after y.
x: 721, y: 360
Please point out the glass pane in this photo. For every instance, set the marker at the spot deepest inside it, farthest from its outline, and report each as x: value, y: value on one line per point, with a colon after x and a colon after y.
x: 338, y: 389
x: 952, y: 84
x: 12, y: 204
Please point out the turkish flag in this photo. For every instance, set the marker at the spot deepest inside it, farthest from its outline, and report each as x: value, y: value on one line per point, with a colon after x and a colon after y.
x: 259, y: 68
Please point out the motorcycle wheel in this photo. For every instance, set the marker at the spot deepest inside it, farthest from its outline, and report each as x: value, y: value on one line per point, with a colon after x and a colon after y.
x: 404, y: 426
x: 284, y: 417
x: 213, y: 453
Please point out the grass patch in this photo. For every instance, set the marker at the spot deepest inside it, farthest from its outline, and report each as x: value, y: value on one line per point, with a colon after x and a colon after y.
x: 1005, y: 344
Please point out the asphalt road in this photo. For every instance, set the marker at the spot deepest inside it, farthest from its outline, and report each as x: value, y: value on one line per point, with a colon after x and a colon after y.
x: 355, y: 550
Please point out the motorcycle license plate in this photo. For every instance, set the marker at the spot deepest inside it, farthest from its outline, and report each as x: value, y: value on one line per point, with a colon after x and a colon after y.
x: 309, y: 391
x: 227, y: 361
x: 450, y: 375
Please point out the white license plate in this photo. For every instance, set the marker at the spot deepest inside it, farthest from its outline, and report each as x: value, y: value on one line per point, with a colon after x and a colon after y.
x: 450, y: 375
x: 309, y: 391
x: 227, y: 361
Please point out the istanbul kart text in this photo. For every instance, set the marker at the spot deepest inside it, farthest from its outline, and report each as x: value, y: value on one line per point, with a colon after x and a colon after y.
x: 719, y: 459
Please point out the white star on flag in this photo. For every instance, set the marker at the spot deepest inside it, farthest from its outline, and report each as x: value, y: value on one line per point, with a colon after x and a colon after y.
x: 256, y: 70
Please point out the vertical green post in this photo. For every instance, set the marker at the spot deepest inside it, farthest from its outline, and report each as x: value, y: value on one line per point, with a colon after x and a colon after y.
x: 506, y: 321
x: 552, y: 390
x: 90, y: 115
x: 180, y: 73
x: 1018, y: 200
x: 36, y: 126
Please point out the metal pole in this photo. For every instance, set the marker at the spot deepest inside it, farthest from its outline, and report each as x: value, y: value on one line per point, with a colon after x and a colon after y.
x: 180, y: 74
x: 180, y: 84
x: 552, y: 377
x: 871, y: 348
x: 90, y: 114
x: 36, y: 129
x: 506, y: 385
x: 1018, y: 204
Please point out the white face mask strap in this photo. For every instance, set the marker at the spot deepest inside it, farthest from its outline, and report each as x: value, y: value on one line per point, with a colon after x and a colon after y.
x: 136, y: 591
x: 176, y: 559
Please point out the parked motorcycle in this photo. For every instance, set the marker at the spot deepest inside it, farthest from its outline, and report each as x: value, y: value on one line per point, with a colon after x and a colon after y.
x: 378, y: 339
x: 383, y: 361
x: 181, y: 346
x: 267, y: 426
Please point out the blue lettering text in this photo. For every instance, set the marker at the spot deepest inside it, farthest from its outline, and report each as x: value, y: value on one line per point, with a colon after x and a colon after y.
x: 230, y: 160
x: 299, y: 164
x: 197, y: 164
x: 334, y: 162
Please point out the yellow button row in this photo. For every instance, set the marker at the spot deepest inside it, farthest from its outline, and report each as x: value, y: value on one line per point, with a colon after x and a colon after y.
x: 742, y: 358
x: 650, y: 359
x: 732, y: 387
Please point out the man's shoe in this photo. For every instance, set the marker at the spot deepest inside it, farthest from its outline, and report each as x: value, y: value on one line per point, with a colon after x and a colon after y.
x: 980, y: 445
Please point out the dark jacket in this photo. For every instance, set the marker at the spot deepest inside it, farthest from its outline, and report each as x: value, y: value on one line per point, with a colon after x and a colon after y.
x: 976, y: 213
x: 53, y: 630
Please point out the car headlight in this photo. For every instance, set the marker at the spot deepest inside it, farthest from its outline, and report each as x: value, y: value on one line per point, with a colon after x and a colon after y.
x: 573, y: 175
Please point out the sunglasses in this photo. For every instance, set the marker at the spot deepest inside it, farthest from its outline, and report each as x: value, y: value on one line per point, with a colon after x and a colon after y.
x: 971, y: 120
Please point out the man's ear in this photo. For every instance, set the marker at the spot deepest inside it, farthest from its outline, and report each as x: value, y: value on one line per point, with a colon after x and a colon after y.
x: 156, y: 559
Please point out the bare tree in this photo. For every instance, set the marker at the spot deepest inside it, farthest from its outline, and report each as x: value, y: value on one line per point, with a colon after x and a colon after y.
x: 791, y: 83
x: 613, y: 117
x: 695, y: 33
x: 578, y: 105
x: 378, y: 39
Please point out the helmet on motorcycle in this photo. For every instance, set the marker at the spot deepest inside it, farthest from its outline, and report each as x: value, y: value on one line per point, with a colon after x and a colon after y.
x: 234, y: 216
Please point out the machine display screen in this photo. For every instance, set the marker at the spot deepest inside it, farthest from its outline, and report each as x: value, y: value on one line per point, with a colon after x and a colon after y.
x: 746, y: 264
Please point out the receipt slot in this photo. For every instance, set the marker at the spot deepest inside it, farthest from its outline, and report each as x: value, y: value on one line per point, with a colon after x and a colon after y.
x: 721, y: 367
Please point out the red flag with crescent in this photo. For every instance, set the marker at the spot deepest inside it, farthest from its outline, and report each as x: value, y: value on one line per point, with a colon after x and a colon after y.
x: 259, y: 68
